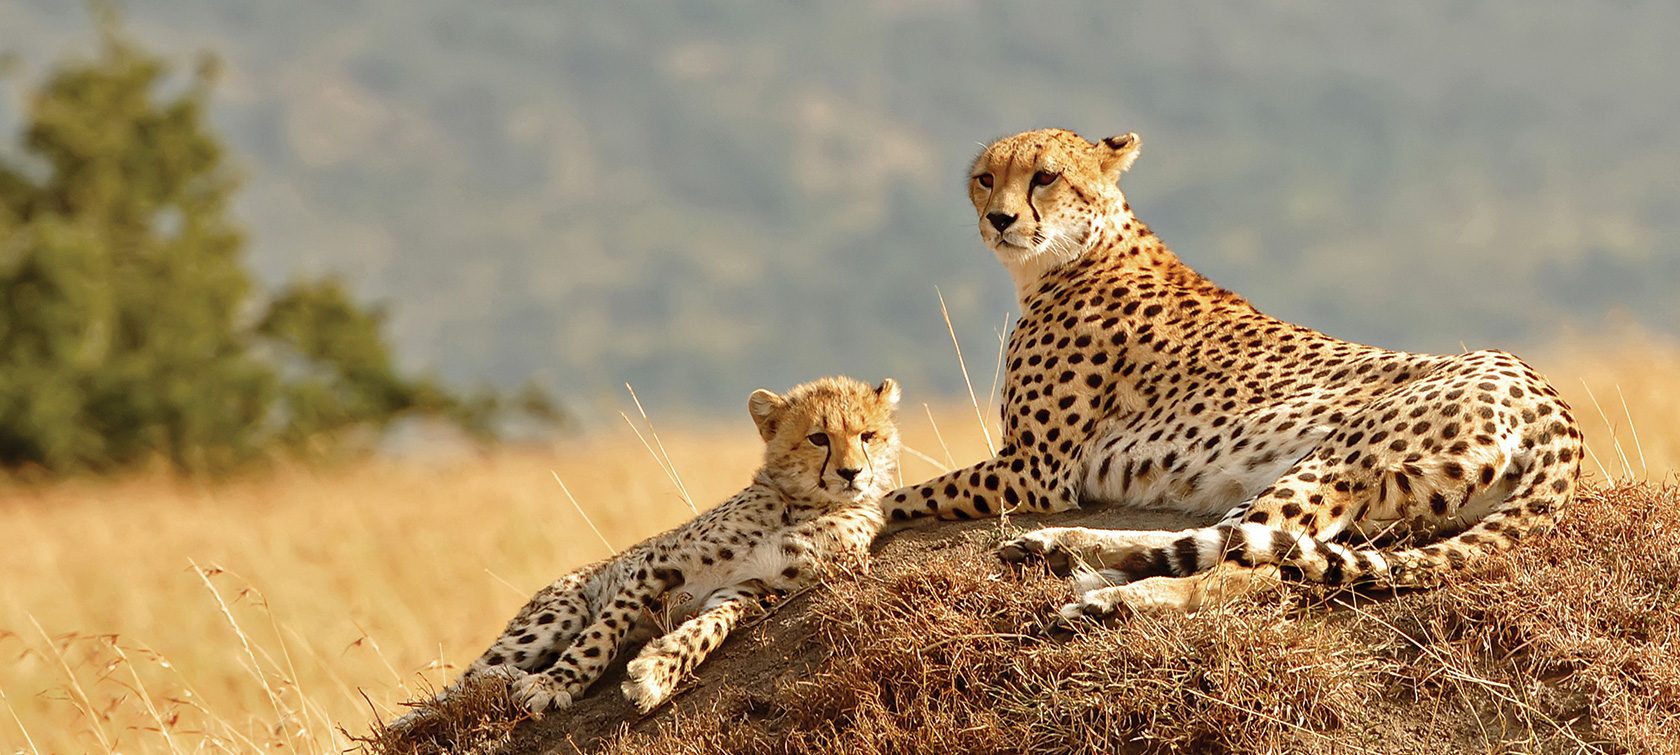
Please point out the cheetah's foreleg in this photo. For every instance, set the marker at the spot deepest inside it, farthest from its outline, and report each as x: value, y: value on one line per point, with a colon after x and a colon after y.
x: 662, y: 663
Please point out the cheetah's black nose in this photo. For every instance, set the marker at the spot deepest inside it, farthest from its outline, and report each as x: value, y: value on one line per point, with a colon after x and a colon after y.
x: 846, y: 474
x: 1000, y: 221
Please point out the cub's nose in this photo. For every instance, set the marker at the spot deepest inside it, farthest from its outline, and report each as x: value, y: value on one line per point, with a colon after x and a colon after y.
x: 1000, y: 221
x: 847, y: 474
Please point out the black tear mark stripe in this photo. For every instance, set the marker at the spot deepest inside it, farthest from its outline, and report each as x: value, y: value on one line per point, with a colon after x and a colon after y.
x: 1034, y: 166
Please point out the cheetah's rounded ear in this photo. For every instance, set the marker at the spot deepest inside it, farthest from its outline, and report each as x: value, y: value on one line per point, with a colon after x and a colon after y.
x: 888, y: 391
x: 764, y: 406
x: 1118, y: 152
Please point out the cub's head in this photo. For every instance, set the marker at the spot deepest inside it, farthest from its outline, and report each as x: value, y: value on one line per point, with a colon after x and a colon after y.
x: 830, y: 439
x: 1040, y: 194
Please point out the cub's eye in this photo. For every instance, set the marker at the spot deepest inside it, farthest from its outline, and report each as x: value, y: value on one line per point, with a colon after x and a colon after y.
x: 985, y: 179
x: 868, y: 437
x: 818, y: 439
x: 1045, y: 178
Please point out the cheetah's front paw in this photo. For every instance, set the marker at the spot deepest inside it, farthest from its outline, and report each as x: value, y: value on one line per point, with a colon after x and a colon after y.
x: 1102, y: 604
x: 648, y: 682
x: 1039, y: 545
x: 539, y: 692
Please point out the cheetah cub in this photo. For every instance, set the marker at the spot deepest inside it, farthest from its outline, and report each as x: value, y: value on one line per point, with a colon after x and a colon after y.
x: 831, y: 452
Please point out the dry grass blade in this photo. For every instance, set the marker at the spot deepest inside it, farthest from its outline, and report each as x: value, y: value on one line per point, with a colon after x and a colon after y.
x: 513, y: 589
x: 27, y: 739
x: 950, y: 461
x: 660, y: 457
x: 979, y: 415
x: 145, y: 696
x: 308, y: 707
x: 932, y: 462
x: 282, y: 713
x: 1627, y: 467
x: 585, y: 514
x: 81, y: 699
x: 1603, y: 473
x: 1644, y: 469
x: 378, y: 652
x: 997, y: 369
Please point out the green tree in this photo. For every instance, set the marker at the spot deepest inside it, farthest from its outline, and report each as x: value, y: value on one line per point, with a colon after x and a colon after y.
x: 126, y: 325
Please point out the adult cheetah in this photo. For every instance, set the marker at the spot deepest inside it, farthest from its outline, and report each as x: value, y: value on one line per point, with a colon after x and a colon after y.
x: 831, y: 452
x: 1134, y: 380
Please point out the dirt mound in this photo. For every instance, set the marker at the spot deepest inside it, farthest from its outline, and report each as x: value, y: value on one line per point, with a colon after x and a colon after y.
x: 1569, y: 643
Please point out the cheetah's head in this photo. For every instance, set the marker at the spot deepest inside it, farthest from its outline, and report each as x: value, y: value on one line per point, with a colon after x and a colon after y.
x: 1042, y: 195
x: 830, y: 439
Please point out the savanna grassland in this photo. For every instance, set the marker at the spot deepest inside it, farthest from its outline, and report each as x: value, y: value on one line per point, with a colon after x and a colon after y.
x: 287, y: 608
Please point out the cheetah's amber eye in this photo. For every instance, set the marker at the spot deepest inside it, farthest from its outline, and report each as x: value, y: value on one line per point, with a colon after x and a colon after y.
x: 1045, y: 178
x: 985, y: 180
x: 818, y: 439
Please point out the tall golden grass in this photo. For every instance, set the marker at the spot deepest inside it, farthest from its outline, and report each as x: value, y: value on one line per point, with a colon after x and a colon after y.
x: 288, y: 608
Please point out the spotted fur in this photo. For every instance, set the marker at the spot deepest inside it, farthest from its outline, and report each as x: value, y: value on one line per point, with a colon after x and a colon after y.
x: 831, y: 452
x: 1131, y: 379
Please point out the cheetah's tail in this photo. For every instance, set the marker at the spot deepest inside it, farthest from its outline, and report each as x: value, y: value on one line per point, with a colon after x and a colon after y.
x: 1540, y: 493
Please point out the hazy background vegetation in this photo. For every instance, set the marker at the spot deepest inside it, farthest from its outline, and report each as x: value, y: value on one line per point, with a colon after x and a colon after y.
x: 705, y: 198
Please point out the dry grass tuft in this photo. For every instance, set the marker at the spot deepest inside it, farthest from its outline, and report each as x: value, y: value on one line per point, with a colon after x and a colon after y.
x: 1566, y: 644
x: 477, y: 718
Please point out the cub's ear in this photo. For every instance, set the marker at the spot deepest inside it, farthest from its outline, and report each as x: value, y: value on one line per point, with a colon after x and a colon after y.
x: 888, y: 391
x: 1117, y: 154
x: 765, y: 408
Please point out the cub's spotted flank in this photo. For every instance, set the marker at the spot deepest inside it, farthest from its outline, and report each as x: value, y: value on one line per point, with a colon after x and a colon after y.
x: 1134, y: 380
x: 831, y: 452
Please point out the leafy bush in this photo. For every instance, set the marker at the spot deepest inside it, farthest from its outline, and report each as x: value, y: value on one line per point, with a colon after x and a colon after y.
x: 129, y: 325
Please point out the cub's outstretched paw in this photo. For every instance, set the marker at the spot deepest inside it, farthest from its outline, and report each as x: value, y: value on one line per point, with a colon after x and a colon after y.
x: 648, y: 682
x: 538, y: 693
x: 1039, y: 545
x: 1104, y: 604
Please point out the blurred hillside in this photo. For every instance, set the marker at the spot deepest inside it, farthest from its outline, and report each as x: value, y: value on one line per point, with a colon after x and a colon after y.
x: 701, y: 200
